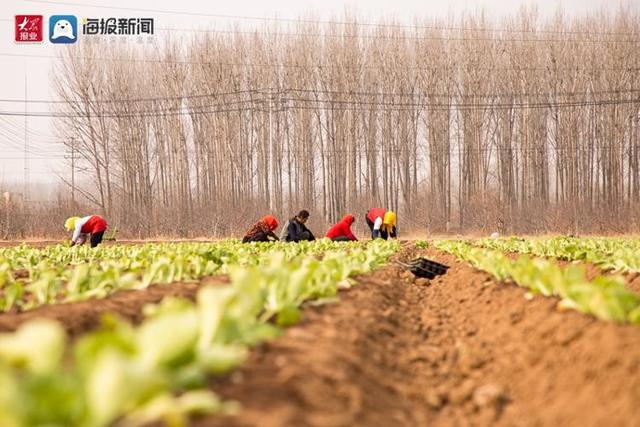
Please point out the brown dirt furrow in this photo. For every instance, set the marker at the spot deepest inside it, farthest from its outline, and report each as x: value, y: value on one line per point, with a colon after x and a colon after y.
x: 633, y: 282
x: 461, y: 351
x: 79, y: 317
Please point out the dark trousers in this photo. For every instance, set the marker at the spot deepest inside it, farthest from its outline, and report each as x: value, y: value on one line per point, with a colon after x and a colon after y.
x: 260, y: 236
x: 340, y: 239
x: 96, y: 238
x: 305, y: 235
x: 377, y: 233
x: 369, y: 222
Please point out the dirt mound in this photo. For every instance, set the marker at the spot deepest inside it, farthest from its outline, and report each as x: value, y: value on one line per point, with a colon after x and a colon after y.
x: 82, y: 316
x: 461, y: 350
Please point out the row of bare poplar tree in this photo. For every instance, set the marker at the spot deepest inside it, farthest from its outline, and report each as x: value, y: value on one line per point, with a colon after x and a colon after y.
x: 516, y: 125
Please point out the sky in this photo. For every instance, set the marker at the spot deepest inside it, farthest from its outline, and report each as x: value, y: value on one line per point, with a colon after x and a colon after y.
x: 27, y: 69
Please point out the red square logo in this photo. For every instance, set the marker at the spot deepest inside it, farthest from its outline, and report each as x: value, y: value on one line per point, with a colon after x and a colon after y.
x: 28, y: 28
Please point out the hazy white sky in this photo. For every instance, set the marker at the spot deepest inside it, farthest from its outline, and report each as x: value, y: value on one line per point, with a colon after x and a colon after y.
x: 46, y: 155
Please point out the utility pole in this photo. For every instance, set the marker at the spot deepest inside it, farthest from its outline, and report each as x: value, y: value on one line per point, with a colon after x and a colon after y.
x: 7, y: 199
x: 26, y: 142
x: 73, y: 173
x: 270, y: 146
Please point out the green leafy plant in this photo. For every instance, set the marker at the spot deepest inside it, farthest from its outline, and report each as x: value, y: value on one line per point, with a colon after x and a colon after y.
x: 421, y: 244
x: 604, y: 297
x: 30, y: 277
x: 157, y: 371
x: 617, y: 254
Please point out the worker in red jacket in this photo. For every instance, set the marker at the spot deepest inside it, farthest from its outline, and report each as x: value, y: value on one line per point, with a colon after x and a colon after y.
x: 341, y: 231
x: 381, y: 223
x: 92, y: 227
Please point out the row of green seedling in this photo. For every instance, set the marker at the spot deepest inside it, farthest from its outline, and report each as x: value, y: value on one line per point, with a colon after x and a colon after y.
x: 158, y: 371
x: 61, y: 274
x: 616, y: 254
x: 604, y: 297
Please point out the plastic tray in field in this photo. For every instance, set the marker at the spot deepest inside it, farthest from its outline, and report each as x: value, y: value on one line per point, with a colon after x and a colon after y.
x: 423, y: 267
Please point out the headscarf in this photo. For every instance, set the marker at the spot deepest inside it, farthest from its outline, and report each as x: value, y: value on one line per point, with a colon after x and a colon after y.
x: 271, y: 222
x: 389, y: 219
x: 348, y: 219
x: 70, y: 223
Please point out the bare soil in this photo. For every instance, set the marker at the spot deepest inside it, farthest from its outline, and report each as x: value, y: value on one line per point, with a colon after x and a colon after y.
x: 633, y: 282
x: 460, y: 350
x: 79, y: 317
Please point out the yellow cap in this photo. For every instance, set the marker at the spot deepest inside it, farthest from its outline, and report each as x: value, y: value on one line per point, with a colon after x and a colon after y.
x: 70, y: 223
x: 389, y: 219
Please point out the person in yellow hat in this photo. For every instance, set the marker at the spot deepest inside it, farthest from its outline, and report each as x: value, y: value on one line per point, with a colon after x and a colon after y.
x: 381, y: 223
x: 90, y: 227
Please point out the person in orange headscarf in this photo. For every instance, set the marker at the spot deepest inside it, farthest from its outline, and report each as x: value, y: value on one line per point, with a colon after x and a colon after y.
x: 341, y: 231
x: 262, y: 231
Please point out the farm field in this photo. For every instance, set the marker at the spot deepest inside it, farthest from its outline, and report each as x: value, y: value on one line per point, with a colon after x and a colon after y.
x: 336, y: 214
x: 537, y: 331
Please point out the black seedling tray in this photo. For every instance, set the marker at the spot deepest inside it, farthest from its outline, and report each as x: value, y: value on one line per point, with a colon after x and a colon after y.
x: 426, y: 268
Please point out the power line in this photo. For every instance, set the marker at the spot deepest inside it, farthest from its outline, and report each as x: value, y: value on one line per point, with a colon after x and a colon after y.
x: 13, y: 139
x: 328, y: 22
x: 17, y: 130
x: 15, y: 126
x: 469, y: 107
x: 423, y: 148
x: 395, y: 36
x: 463, y: 105
x: 319, y: 66
x: 455, y: 148
x: 427, y: 95
x: 15, y: 142
x: 416, y: 96
x: 119, y: 100
x: 179, y: 108
x: 124, y: 116
x: 339, y: 106
x: 31, y: 158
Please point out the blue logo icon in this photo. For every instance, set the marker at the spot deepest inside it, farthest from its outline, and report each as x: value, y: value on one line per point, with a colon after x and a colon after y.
x: 63, y: 29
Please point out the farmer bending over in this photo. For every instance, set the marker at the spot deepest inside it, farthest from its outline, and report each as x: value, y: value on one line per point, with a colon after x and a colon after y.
x: 295, y: 230
x: 92, y: 227
x: 341, y: 231
x: 381, y: 223
x: 262, y: 231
